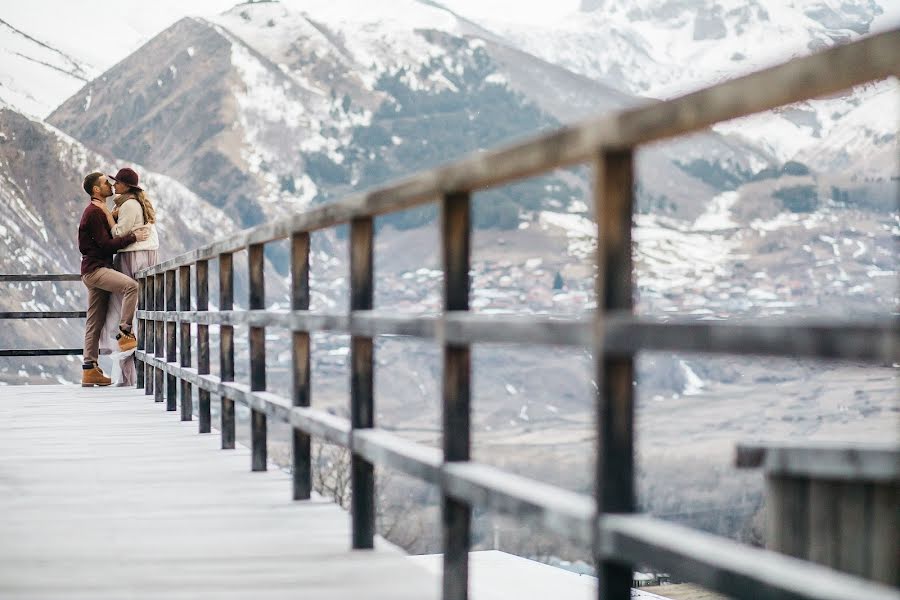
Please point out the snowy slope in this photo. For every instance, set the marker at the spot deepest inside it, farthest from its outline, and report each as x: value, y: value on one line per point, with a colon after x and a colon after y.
x: 35, y: 77
x: 666, y: 49
x: 855, y: 133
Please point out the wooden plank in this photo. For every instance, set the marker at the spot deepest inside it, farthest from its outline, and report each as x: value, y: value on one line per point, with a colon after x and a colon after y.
x: 855, y: 524
x: 42, y: 352
x: 150, y: 332
x: 824, y: 535
x: 184, y: 338
x: 362, y: 393
x: 884, y: 565
x: 257, y: 301
x: 824, y: 460
x: 827, y: 72
x: 141, y: 332
x: 204, y: 408
x: 726, y: 566
x: 159, y: 336
x: 614, y: 400
x: 532, y: 502
x: 171, y: 342
x: 787, y: 521
x: 40, y: 277
x: 111, y: 496
x: 45, y: 314
x: 387, y: 449
x: 456, y: 514
x: 301, y: 444
x: 226, y: 347
x: 876, y: 340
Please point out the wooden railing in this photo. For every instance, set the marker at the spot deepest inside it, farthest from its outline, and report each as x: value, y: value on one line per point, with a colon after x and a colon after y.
x: 41, y: 314
x: 606, y: 521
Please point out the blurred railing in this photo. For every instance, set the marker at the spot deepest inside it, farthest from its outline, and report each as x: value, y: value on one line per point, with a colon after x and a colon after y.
x: 41, y: 314
x: 606, y: 521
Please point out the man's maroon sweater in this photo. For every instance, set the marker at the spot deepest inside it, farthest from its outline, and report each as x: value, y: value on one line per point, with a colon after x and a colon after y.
x: 95, y: 240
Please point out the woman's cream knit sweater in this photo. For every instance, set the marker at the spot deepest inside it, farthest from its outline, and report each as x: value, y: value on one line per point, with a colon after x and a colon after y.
x: 131, y: 215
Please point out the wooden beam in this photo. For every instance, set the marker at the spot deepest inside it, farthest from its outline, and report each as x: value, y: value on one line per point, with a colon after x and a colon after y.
x: 45, y: 314
x: 204, y: 408
x: 362, y: 409
x: 456, y: 514
x: 150, y: 333
x: 40, y: 277
x: 257, y: 301
x: 226, y: 347
x: 159, y: 336
x: 141, y: 329
x: 301, y: 372
x: 171, y: 381
x: 184, y: 338
x: 614, y: 487
x: 42, y: 352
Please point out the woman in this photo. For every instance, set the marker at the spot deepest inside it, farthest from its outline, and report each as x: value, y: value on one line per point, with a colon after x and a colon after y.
x: 133, y: 209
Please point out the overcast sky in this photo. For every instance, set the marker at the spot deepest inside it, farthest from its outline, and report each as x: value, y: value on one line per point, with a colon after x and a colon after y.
x: 59, y: 22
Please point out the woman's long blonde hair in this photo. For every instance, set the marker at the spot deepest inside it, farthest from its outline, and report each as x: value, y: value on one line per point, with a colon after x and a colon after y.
x: 146, y: 205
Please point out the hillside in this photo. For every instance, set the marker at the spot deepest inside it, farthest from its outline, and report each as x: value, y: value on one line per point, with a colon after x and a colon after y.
x: 277, y: 109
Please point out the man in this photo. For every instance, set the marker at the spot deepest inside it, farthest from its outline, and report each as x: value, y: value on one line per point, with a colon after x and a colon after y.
x: 97, y: 246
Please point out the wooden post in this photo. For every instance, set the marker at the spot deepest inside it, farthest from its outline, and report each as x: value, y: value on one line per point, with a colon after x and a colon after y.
x: 226, y: 346
x: 138, y: 363
x: 302, y: 461
x: 150, y: 333
x: 614, y: 482
x: 204, y: 409
x: 456, y: 516
x: 184, y: 303
x: 171, y: 380
x: 160, y: 337
x: 362, y: 501
x: 256, y: 263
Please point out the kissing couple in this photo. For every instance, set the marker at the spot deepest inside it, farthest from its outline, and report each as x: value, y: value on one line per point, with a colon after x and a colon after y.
x: 114, y: 243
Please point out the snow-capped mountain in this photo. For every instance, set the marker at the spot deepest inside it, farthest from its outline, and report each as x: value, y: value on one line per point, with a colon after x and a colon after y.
x: 35, y: 77
x: 662, y: 49
x: 266, y: 109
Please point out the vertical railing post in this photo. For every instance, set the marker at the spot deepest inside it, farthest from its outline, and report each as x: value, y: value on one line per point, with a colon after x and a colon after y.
x: 171, y: 380
x: 203, y: 409
x: 362, y: 473
x: 159, y: 337
x: 302, y: 467
x: 184, y: 303
x: 256, y: 263
x: 141, y: 342
x: 226, y: 346
x: 150, y: 333
x: 456, y: 516
x: 614, y: 482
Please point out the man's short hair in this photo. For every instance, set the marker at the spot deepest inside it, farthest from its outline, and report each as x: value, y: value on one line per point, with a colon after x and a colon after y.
x: 90, y: 181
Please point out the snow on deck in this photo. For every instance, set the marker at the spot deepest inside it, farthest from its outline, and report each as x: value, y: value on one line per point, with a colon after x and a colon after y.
x: 104, y: 494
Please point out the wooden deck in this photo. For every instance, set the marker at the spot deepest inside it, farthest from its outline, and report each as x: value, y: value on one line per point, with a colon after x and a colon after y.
x: 103, y: 494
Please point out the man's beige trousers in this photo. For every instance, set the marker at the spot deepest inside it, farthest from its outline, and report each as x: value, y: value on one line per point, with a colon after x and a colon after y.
x: 100, y: 284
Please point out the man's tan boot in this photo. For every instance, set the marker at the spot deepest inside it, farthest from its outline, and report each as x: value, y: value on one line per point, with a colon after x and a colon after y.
x: 92, y: 374
x: 127, y: 341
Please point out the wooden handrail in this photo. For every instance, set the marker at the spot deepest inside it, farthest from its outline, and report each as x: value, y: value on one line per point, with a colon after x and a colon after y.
x: 605, y: 521
x: 40, y: 314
